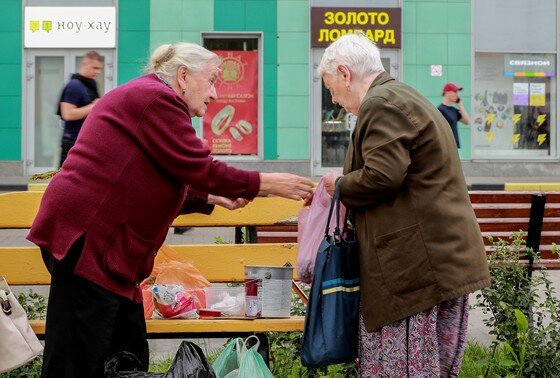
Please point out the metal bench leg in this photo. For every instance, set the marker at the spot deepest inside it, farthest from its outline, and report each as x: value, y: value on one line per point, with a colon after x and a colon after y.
x: 250, y: 234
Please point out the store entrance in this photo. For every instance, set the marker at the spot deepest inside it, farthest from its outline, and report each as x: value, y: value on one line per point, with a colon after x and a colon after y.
x: 331, y: 126
x: 47, y: 71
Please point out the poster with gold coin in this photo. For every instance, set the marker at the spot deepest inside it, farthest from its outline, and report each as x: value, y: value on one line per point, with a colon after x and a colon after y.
x: 230, y: 125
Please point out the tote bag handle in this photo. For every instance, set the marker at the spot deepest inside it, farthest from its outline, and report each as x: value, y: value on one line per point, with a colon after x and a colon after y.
x: 335, y: 203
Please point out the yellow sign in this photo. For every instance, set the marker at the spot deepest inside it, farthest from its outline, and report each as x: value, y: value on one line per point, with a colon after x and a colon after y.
x: 537, y: 97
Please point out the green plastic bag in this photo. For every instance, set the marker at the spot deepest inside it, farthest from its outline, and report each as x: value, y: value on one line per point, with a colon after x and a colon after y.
x: 238, y: 361
x: 227, y: 360
x: 252, y: 365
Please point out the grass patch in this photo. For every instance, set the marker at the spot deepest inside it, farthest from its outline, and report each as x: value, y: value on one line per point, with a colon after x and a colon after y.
x: 475, y: 360
x: 161, y: 366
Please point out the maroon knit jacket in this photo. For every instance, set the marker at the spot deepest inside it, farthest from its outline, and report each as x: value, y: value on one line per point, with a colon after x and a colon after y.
x: 125, y: 181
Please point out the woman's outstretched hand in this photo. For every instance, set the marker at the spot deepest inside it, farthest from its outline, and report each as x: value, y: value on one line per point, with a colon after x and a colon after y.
x: 329, y: 180
x: 285, y: 185
x: 228, y: 203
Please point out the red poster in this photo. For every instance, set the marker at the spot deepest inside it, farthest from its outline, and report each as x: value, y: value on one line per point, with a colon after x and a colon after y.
x: 230, y: 125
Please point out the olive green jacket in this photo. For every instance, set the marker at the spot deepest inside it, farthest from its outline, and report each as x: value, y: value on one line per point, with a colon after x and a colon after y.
x: 420, y: 243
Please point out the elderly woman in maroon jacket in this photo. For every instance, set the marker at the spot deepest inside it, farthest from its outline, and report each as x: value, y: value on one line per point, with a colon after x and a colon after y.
x: 421, y: 250
x: 136, y: 165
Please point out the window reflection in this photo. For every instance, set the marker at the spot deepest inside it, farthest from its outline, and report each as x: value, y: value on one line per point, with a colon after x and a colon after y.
x: 514, y: 105
x: 49, y: 73
x: 334, y: 135
x: 336, y: 127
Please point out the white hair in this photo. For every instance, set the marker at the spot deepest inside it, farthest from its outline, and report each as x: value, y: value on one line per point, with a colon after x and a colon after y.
x: 355, y: 51
x: 166, y: 59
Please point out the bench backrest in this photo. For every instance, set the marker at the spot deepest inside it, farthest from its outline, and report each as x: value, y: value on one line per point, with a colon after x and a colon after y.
x: 499, y: 214
x: 18, y: 209
x: 217, y: 262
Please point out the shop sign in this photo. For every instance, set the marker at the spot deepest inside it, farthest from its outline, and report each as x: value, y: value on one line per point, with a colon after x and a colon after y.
x: 230, y: 124
x: 529, y: 65
x: 381, y: 25
x: 70, y: 27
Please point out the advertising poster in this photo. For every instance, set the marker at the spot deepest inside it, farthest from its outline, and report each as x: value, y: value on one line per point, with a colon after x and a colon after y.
x: 521, y: 94
x: 230, y: 125
x: 537, y: 94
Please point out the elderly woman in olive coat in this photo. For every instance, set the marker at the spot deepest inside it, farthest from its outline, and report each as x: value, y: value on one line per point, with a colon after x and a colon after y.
x: 421, y: 250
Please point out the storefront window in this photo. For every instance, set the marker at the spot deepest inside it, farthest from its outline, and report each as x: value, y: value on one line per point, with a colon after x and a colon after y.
x: 334, y: 134
x: 336, y: 127
x: 514, y: 106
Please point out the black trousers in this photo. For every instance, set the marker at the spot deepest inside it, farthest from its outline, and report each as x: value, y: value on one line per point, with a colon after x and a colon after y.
x: 86, y: 324
x: 65, y: 145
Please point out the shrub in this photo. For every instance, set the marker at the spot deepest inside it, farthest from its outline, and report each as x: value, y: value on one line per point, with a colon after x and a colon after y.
x: 34, y: 304
x: 524, y: 313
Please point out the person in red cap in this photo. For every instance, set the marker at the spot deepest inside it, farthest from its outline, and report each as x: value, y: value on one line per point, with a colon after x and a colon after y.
x: 451, y: 113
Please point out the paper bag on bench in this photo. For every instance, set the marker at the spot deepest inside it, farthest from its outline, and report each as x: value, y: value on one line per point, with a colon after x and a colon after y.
x: 18, y: 342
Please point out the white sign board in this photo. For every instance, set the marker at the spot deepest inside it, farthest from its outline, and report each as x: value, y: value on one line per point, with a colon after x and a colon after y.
x: 70, y: 27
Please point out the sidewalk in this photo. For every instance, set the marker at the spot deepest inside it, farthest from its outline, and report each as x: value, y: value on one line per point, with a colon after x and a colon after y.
x: 164, y: 348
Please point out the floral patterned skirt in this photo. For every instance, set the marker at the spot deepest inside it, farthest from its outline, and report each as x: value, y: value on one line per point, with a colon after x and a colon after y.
x: 428, y: 344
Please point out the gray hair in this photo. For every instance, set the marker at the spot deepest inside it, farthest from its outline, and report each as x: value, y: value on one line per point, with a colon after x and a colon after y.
x: 356, y: 52
x: 167, y: 59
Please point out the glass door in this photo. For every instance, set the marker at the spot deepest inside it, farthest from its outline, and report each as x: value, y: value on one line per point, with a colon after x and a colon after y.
x: 331, y: 126
x: 47, y: 71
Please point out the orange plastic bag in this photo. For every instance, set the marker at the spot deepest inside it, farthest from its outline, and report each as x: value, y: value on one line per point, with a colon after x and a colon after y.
x: 172, y: 270
x: 169, y: 274
x: 147, y: 299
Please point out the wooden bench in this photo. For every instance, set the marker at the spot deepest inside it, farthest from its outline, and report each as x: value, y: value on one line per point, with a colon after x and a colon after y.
x: 537, y: 214
x: 22, y: 265
x: 499, y: 214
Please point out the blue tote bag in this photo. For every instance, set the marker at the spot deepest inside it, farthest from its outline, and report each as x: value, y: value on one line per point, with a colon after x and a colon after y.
x: 330, y: 335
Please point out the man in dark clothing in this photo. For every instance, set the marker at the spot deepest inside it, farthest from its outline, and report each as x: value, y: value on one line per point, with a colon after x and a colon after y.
x: 77, y: 99
x: 453, y: 114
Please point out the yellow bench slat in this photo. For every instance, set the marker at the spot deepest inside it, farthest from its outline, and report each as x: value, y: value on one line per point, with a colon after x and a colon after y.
x: 261, y: 211
x: 225, y: 325
x: 37, y: 186
x: 18, y: 209
x: 23, y: 266
x: 217, y: 262
x: 531, y: 186
x: 295, y: 323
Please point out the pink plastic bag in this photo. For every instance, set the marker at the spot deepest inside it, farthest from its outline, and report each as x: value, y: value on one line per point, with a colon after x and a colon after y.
x: 311, y: 230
